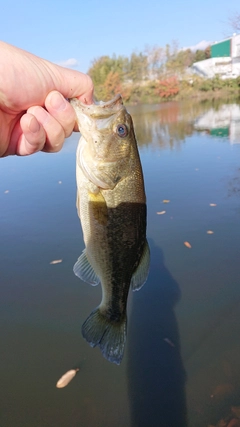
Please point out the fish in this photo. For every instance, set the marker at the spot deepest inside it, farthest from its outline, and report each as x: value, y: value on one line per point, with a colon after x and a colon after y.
x: 111, y: 205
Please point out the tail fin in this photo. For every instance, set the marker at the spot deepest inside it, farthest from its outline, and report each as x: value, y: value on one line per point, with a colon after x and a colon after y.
x: 109, y: 336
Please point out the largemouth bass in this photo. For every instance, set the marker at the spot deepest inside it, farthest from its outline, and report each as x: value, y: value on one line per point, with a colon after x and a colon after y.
x: 111, y: 205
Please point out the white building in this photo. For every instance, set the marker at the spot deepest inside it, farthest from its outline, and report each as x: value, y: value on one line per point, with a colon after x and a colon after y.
x: 224, y: 61
x: 224, y: 122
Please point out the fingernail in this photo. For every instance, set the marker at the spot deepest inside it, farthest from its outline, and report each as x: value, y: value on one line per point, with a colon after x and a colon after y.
x: 34, y: 126
x: 57, y: 101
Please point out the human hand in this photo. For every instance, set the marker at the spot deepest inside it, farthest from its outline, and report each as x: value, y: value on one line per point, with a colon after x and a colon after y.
x: 34, y: 114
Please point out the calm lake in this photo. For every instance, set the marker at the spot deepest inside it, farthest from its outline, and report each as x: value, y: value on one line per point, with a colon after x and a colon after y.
x: 181, y: 363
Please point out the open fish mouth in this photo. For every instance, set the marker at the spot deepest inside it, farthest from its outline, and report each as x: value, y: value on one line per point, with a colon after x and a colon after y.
x: 99, y: 109
x: 109, y: 104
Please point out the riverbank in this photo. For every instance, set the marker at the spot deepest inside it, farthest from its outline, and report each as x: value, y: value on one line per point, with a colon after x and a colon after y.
x: 199, y: 89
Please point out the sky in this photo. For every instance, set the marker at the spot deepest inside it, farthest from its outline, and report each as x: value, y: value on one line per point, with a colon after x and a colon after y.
x: 74, y: 33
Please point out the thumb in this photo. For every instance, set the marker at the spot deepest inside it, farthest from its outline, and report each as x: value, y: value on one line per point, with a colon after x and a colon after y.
x: 73, y: 84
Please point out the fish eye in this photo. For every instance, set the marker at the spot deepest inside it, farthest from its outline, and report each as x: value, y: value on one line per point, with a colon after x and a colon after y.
x: 122, y: 130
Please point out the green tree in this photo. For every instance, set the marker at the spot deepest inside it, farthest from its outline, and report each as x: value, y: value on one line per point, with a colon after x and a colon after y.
x: 138, y: 67
x: 199, y: 55
x: 103, y: 69
x: 177, y: 60
x: 100, y: 69
x: 207, y: 52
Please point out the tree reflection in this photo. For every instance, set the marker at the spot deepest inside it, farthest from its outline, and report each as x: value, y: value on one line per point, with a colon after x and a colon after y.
x: 169, y: 124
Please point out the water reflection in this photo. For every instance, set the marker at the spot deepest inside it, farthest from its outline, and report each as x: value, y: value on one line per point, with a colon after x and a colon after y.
x: 156, y: 377
x: 168, y: 125
x: 162, y: 127
x: 222, y: 122
x: 234, y: 184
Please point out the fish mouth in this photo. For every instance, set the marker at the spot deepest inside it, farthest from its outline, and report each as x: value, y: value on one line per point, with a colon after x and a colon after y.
x: 116, y: 100
x: 99, y: 109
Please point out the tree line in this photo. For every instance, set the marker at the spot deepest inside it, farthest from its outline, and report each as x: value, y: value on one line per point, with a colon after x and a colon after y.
x: 156, y: 71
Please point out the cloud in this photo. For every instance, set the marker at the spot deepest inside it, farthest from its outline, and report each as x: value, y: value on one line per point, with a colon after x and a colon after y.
x: 69, y: 63
x: 199, y: 46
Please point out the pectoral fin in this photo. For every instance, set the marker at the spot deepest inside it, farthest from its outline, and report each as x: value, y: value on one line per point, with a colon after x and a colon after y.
x: 83, y: 269
x: 140, y: 275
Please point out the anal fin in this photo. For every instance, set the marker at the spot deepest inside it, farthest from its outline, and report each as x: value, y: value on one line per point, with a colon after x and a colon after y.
x: 83, y: 269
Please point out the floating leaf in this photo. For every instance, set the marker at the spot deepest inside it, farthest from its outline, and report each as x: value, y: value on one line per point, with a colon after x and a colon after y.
x: 212, y: 204
x: 161, y: 213
x: 66, y: 378
x: 187, y: 244
x: 56, y: 261
x: 166, y: 201
x: 210, y: 232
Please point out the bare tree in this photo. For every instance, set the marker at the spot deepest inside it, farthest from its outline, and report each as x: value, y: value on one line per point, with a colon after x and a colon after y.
x: 156, y: 59
x: 234, y: 21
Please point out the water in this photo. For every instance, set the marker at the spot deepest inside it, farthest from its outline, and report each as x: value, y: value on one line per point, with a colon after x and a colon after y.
x: 181, y: 363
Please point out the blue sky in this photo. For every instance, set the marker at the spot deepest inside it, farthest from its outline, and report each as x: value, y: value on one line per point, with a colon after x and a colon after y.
x: 75, y: 32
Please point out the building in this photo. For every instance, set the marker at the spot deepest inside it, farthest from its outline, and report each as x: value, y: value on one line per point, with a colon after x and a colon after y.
x: 224, y: 61
x: 223, y: 122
